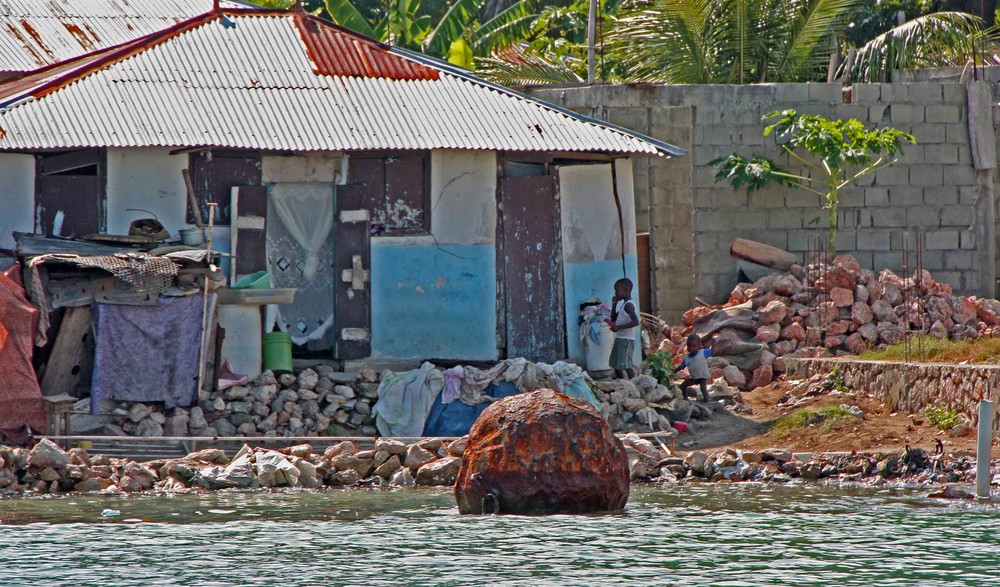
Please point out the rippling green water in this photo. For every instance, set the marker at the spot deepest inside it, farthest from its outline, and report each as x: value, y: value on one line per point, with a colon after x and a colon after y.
x: 681, y: 535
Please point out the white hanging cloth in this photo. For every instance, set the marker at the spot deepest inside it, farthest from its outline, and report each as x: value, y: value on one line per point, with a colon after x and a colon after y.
x: 306, y: 211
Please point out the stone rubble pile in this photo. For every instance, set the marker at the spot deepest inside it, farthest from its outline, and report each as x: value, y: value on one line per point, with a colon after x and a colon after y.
x: 643, y: 405
x: 314, y: 402
x: 825, y: 309
x: 47, y: 468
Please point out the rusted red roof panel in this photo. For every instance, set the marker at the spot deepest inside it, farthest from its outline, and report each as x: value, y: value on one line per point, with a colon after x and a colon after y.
x: 340, y: 53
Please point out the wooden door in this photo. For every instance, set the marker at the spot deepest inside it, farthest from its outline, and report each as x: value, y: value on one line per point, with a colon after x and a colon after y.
x: 532, y: 269
x: 69, y: 193
x: 352, y: 246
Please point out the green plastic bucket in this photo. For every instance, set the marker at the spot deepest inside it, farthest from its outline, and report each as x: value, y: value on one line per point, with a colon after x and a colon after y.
x: 276, y: 348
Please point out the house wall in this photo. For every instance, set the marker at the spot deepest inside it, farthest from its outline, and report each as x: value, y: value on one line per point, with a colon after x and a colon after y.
x: 591, y: 239
x: 693, y: 219
x: 434, y: 296
x: 17, y: 196
x: 150, y: 179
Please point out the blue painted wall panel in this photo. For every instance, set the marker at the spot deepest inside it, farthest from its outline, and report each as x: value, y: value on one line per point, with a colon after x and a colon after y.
x: 597, y: 279
x: 433, y: 302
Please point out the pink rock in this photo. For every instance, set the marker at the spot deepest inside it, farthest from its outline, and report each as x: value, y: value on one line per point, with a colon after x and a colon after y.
x: 848, y: 263
x: 773, y: 313
x: 938, y: 330
x: 868, y: 332
x: 963, y: 310
x: 832, y: 342
x: 783, y: 347
x: 889, y: 333
x: 734, y: 376
x: 764, y: 375
x: 837, y: 328
x: 891, y: 294
x: 794, y: 331
x: 769, y: 333
x: 856, y: 344
x: 836, y: 277
x: 884, y: 312
x: 861, y: 313
x: 861, y: 294
x: 788, y: 285
x: 841, y: 297
x: 814, y: 335
x: 988, y: 310
x: 779, y: 365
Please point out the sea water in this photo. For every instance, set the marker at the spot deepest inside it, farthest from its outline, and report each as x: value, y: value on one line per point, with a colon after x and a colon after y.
x: 688, y: 534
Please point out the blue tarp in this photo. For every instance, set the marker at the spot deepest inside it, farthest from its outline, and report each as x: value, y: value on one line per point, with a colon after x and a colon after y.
x: 456, y: 418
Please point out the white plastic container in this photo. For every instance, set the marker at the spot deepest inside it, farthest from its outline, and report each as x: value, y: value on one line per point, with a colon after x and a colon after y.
x: 242, y: 345
x: 598, y: 354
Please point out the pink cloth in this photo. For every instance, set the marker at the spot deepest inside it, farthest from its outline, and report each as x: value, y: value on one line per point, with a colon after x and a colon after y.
x: 20, y: 394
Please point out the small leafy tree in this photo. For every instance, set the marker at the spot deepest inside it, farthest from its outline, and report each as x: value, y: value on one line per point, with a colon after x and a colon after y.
x: 834, y: 153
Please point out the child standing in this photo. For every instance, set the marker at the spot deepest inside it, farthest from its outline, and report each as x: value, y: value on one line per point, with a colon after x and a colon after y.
x: 696, y: 361
x: 624, y: 323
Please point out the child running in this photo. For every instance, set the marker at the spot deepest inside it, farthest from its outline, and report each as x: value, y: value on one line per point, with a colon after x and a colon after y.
x: 696, y: 361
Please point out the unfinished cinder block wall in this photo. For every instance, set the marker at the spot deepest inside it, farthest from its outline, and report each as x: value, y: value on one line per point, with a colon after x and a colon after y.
x: 693, y: 219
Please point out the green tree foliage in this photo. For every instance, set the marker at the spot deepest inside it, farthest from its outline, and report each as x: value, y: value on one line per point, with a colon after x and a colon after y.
x: 834, y: 153
x: 727, y: 41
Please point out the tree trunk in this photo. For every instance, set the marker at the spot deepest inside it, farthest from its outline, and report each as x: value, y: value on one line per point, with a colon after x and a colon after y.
x: 984, y: 9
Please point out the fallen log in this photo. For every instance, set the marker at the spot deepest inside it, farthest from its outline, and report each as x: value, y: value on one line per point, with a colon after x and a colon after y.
x: 762, y: 254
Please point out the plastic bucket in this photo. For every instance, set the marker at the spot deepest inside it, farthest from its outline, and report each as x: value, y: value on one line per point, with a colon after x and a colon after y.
x: 259, y: 280
x: 276, y: 348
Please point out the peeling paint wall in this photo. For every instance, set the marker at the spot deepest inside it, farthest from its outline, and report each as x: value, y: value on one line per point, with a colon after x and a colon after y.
x: 592, y: 241
x: 17, y: 196
x: 434, y: 296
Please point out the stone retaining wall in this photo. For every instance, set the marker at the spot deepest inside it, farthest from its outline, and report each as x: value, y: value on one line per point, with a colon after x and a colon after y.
x: 912, y: 387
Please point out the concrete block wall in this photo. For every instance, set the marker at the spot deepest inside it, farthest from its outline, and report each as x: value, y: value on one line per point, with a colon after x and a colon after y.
x: 693, y: 219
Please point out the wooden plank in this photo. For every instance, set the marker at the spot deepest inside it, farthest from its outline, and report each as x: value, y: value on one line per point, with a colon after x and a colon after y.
x: 64, y: 368
x: 762, y: 254
x: 645, y: 264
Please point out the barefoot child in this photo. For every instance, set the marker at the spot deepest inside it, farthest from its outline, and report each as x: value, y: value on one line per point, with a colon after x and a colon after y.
x: 624, y: 323
x: 696, y: 361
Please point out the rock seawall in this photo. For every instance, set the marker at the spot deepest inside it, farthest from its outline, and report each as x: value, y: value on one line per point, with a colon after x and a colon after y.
x: 911, y: 387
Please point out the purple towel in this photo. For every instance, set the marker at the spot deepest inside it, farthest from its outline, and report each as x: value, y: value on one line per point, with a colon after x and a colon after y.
x: 148, y: 353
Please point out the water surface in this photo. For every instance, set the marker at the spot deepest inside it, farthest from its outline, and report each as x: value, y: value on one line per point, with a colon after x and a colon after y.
x: 701, y: 534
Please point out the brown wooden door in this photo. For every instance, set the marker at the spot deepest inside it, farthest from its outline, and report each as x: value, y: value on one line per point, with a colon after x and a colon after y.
x: 214, y: 174
x: 532, y: 269
x: 352, y: 246
x: 69, y: 193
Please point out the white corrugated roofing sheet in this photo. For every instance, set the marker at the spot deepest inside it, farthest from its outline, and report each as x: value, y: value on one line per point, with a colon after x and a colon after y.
x: 36, y: 33
x: 246, y: 81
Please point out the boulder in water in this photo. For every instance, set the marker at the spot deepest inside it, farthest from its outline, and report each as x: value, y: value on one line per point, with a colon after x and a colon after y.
x: 542, y: 453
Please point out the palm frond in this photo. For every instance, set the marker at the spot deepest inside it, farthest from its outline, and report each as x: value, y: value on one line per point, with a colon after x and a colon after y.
x: 519, y: 68
x: 933, y: 40
x: 505, y: 30
x: 813, y: 23
x: 665, y: 40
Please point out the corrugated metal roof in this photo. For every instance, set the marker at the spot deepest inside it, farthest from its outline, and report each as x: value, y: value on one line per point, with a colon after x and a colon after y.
x: 335, y: 51
x: 37, y: 33
x: 246, y: 80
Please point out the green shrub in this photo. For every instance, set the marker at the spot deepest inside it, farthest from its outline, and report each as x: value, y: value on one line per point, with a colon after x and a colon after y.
x: 661, y: 367
x: 942, y: 417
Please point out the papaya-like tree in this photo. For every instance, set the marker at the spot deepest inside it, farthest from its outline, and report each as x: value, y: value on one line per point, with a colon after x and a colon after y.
x: 832, y: 153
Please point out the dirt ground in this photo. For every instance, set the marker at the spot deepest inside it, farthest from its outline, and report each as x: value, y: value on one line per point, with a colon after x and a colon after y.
x: 880, y: 430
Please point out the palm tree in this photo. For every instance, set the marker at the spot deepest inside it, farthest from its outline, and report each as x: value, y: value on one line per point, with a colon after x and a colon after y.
x: 727, y: 41
x: 933, y: 40
x: 408, y: 24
